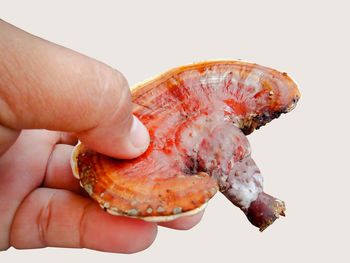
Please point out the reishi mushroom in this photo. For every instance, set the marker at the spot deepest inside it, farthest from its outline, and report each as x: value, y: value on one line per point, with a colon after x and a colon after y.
x: 197, y: 117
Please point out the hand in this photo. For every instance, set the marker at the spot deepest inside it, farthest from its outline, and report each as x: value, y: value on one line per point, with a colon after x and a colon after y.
x: 46, y: 86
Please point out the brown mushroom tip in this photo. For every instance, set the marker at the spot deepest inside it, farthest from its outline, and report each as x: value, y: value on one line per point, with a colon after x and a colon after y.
x: 265, y: 210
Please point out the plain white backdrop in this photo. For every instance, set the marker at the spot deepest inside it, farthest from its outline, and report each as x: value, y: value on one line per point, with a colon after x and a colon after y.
x: 303, y: 156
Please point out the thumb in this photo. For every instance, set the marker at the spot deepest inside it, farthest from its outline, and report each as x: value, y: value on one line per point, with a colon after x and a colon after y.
x: 43, y: 85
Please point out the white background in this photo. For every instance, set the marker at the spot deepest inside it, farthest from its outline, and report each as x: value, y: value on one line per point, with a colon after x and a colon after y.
x: 304, y: 155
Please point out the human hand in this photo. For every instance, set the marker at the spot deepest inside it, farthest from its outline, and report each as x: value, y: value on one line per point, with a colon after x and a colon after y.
x: 46, y: 86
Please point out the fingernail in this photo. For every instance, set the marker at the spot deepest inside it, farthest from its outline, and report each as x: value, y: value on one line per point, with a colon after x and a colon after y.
x: 139, y: 135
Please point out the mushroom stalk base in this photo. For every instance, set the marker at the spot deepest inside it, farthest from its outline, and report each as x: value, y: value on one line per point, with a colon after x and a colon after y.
x: 265, y: 210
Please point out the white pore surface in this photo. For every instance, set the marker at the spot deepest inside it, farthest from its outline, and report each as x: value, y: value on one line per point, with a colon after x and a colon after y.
x: 303, y: 156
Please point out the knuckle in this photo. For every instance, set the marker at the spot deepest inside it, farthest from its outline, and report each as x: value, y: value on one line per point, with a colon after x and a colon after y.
x: 43, y: 221
x: 83, y: 226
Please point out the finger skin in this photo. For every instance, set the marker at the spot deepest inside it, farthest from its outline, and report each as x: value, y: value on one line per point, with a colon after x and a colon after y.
x: 43, y: 85
x: 7, y: 138
x: 59, y: 172
x: 22, y: 169
x: 59, y: 218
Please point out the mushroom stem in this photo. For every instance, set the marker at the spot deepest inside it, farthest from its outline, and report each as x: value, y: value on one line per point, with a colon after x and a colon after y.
x: 243, y: 187
x: 223, y: 151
